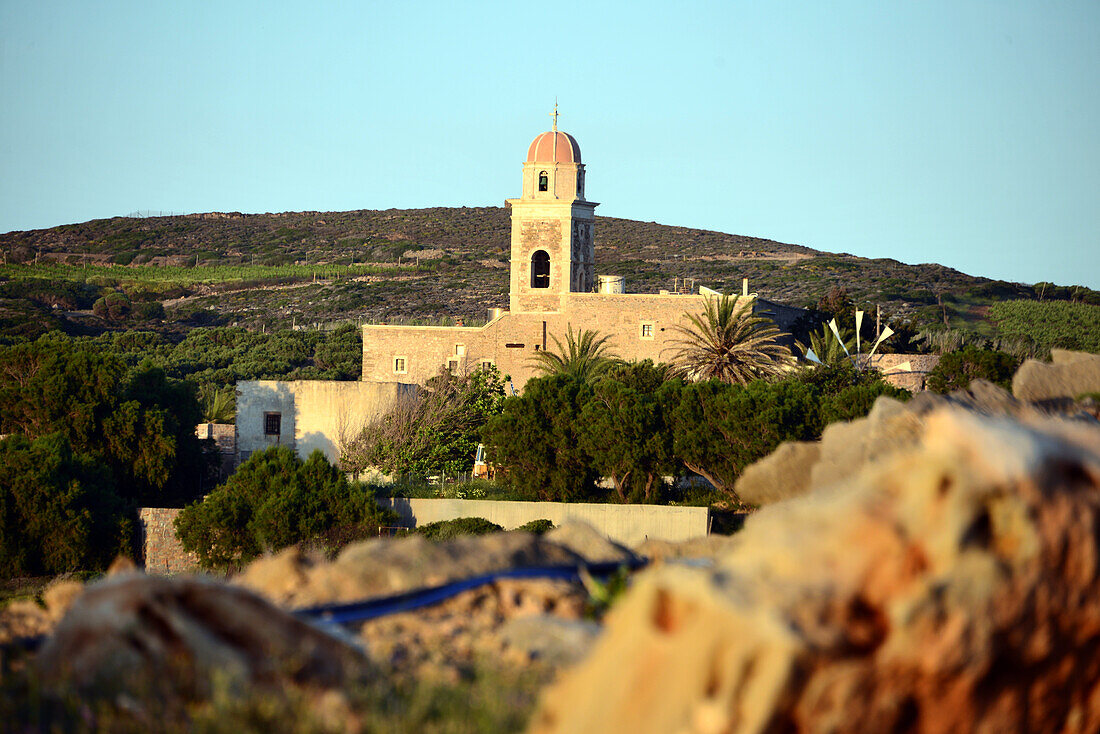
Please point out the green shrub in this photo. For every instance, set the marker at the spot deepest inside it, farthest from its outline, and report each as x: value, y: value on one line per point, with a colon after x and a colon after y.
x: 956, y: 369
x: 272, y: 501
x: 58, y: 511
x: 448, y: 529
x: 538, y: 527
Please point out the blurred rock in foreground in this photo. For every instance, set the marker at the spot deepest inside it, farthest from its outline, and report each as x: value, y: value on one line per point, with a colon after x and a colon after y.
x: 180, y: 636
x: 950, y: 585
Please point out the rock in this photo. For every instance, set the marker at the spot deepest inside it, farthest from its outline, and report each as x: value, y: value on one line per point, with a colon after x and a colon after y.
x: 384, y: 566
x: 953, y: 585
x: 705, y: 548
x: 1070, y: 375
x: 891, y: 426
x: 23, y: 619
x: 456, y: 631
x: 59, y: 596
x: 589, y: 543
x: 551, y: 639
x: 784, y: 473
x: 181, y: 637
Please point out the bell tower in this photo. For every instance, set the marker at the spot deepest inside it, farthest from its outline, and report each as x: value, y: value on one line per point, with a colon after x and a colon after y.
x: 552, y: 225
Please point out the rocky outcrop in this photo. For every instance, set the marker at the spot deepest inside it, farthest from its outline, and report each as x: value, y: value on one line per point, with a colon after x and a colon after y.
x: 950, y: 585
x: 1066, y: 377
x: 182, y: 637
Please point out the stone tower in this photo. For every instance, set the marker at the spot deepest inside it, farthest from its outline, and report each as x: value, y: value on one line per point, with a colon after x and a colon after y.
x: 552, y: 226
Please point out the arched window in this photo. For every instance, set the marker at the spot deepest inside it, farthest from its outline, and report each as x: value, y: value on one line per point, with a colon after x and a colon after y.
x: 580, y: 184
x: 540, y: 269
x: 544, y: 181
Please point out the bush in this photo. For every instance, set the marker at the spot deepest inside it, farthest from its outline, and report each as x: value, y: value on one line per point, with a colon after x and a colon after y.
x: 58, y: 512
x: 538, y: 527
x: 437, y: 430
x: 275, y: 500
x: 957, y: 369
x: 449, y: 529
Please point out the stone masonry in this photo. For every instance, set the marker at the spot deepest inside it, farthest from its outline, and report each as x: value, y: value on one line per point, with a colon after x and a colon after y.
x: 160, y: 548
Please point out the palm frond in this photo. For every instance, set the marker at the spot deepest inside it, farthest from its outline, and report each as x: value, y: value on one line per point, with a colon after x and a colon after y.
x: 728, y: 343
x: 585, y: 354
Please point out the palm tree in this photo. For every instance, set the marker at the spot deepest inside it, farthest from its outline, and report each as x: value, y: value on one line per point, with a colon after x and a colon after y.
x: 584, y: 355
x: 218, y: 406
x: 726, y: 342
x: 826, y: 346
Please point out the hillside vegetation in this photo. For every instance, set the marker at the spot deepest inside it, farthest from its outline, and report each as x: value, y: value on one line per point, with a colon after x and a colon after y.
x: 440, y: 265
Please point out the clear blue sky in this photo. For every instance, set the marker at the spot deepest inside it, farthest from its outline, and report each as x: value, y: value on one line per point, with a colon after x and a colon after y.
x: 965, y: 133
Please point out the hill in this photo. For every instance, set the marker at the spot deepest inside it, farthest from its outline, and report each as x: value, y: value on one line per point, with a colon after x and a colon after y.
x: 277, y: 270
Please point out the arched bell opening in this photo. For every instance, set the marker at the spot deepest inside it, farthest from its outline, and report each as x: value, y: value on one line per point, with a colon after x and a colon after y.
x: 540, y: 269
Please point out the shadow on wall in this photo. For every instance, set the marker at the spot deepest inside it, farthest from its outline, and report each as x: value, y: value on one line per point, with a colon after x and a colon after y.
x: 314, y: 440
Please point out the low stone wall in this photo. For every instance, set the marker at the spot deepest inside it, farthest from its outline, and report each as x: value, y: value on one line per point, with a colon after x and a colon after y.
x: 160, y: 548
x: 907, y: 371
x: 626, y: 524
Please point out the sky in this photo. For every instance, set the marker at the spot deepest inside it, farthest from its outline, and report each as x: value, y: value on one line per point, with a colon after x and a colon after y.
x: 960, y: 132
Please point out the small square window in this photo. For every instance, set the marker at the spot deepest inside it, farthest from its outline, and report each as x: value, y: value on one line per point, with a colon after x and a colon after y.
x: 485, y: 363
x: 400, y: 366
x: 452, y: 365
x: 647, y: 331
x: 273, y: 424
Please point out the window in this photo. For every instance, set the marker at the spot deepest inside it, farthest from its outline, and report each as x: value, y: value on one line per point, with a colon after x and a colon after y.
x: 485, y: 363
x: 540, y: 269
x: 400, y: 366
x: 452, y: 365
x: 544, y: 181
x: 273, y: 424
x: 647, y: 329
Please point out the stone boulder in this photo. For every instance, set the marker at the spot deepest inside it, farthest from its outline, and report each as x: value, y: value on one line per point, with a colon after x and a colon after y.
x: 846, y: 446
x: 383, y: 566
x: 181, y: 637
x: 953, y: 585
x: 783, y: 473
x: 589, y: 543
x: 1066, y: 377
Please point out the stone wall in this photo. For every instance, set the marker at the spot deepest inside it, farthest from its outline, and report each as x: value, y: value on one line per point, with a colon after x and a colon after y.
x: 907, y: 371
x: 511, y: 340
x: 627, y: 524
x: 161, y: 550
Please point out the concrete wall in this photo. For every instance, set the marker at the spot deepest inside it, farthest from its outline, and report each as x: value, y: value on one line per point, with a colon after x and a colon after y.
x: 160, y: 548
x: 625, y: 524
x: 314, y: 414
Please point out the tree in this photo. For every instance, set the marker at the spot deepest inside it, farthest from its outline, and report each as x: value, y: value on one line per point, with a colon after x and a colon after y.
x: 585, y: 355
x: 719, y: 429
x: 826, y: 346
x: 272, y: 501
x: 535, y: 441
x: 436, y: 430
x: 726, y: 342
x: 623, y: 429
x: 141, y: 425
x: 58, y: 510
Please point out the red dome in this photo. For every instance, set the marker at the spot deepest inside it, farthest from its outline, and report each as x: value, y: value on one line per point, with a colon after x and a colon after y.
x: 554, y: 147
